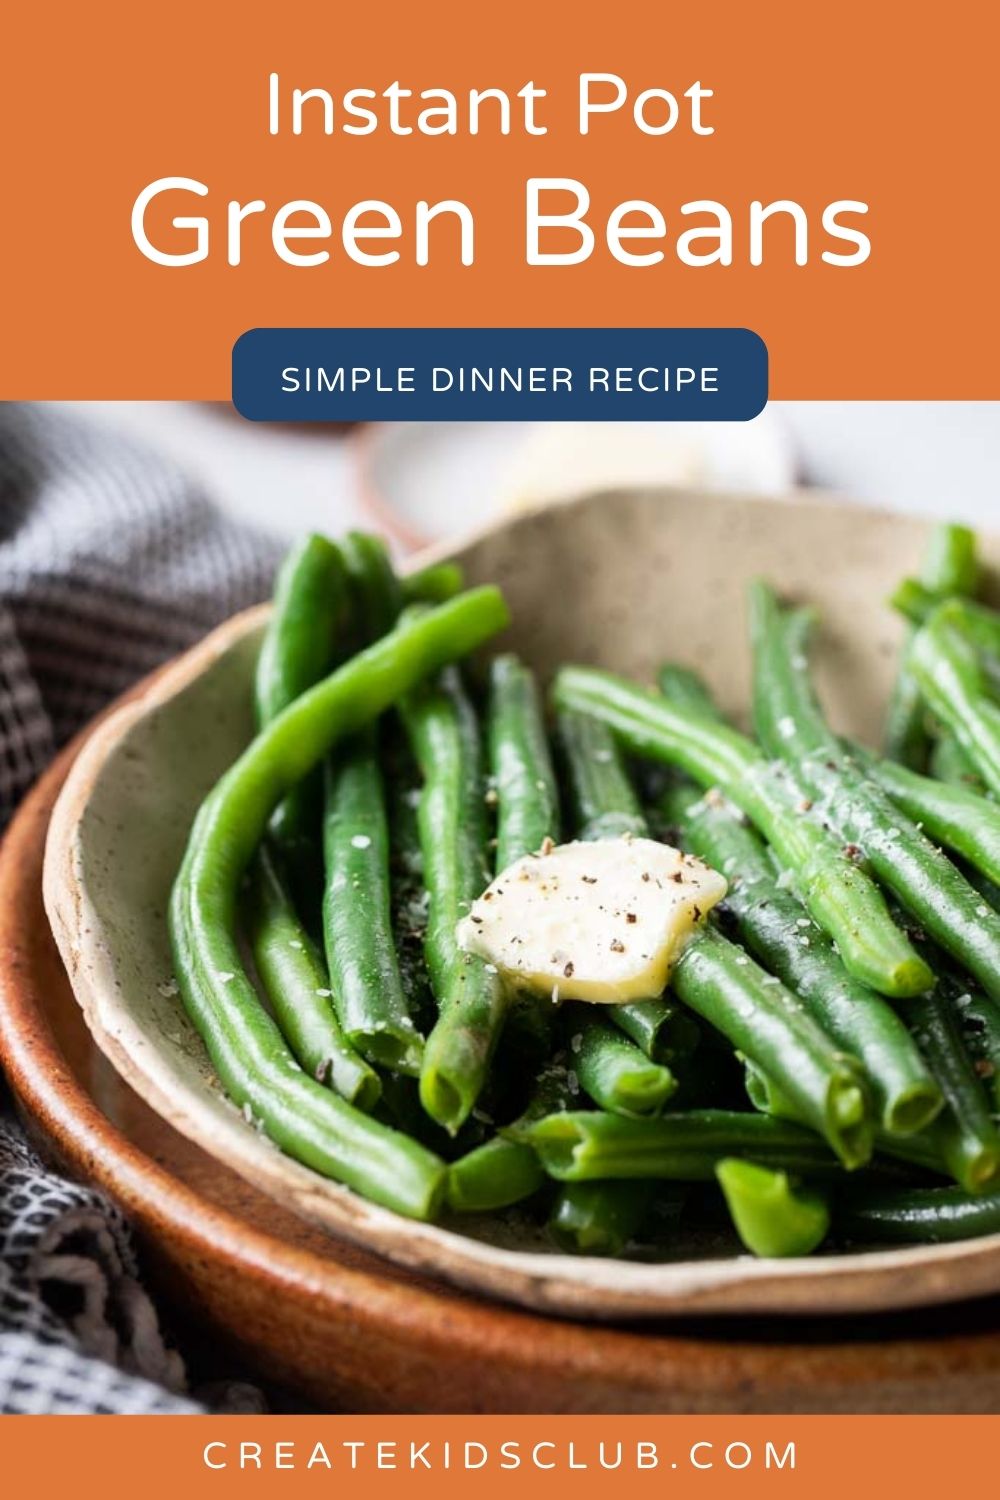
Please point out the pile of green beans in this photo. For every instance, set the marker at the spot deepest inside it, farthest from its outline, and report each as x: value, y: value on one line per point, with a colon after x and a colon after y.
x: 825, y: 1061
x: 791, y: 727
x: 839, y: 893
x: 444, y: 733
x: 249, y: 1052
x: 775, y: 927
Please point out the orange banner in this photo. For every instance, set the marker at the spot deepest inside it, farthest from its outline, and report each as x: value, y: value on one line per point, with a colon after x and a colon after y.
x: 177, y: 176
x: 443, y: 1457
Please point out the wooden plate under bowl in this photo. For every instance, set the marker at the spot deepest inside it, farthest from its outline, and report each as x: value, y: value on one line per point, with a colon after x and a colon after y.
x: 346, y: 1328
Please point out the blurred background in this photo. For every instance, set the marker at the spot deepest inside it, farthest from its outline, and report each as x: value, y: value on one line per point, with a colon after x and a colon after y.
x: 425, y: 481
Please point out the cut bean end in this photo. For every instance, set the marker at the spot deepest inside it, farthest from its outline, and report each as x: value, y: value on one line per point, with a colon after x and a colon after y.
x: 645, y: 1092
x: 399, y: 1054
x: 772, y: 1217
x: 911, y: 1110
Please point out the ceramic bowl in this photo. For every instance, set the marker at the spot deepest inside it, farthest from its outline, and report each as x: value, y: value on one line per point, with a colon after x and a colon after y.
x: 623, y: 580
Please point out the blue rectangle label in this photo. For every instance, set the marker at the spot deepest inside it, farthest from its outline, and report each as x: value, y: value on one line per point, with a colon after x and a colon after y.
x: 500, y: 374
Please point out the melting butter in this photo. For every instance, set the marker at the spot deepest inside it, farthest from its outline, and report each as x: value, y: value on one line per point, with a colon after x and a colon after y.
x: 603, y: 921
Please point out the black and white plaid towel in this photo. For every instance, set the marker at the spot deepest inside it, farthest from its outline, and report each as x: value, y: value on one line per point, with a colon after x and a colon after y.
x: 110, y: 561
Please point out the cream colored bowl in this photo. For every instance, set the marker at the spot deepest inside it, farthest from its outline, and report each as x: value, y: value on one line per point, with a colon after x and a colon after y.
x: 625, y: 580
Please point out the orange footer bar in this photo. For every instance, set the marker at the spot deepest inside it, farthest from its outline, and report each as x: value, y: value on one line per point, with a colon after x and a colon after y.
x: 521, y: 1457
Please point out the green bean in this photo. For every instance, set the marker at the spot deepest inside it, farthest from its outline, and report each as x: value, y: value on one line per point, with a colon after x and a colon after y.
x: 401, y: 1108
x: 299, y: 645
x: 435, y: 584
x: 952, y: 680
x: 250, y: 1057
x: 772, y: 1216
x: 953, y: 814
x: 965, y: 1134
x: 605, y: 801
x: 979, y: 628
x: 928, y: 1149
x: 916, y: 1215
x: 841, y: 897
x: 408, y: 894
x: 950, y: 764
x: 524, y: 786
x: 978, y: 1020
x: 660, y: 1028
x: 599, y: 1218
x: 506, y: 1169
x: 493, y: 1176
x: 583, y: 1146
x: 298, y: 987
x: 377, y: 593
x: 936, y: 1148
x: 978, y: 623
x: 951, y: 562
x: 767, y: 1096
x: 297, y: 650
x: 906, y: 738
x: 606, y: 806
x: 768, y: 1024
x: 914, y: 601
x: 613, y: 1070
x: 469, y: 993
x: 520, y: 763
x: 988, y: 889
x: 791, y: 725
x: 687, y: 690
x: 357, y: 922
x: 775, y: 928
x: 950, y: 566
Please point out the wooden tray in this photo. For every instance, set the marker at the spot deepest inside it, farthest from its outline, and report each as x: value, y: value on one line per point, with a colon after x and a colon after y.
x: 348, y: 1331
x: 344, y: 1327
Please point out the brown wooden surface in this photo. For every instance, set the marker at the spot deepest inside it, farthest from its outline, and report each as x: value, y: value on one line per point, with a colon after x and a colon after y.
x: 348, y: 1331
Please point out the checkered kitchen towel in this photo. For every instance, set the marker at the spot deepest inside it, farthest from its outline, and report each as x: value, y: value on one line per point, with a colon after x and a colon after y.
x: 111, y: 560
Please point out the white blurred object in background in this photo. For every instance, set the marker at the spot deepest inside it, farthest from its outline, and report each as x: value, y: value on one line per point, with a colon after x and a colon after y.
x: 422, y: 480
x: 559, y: 459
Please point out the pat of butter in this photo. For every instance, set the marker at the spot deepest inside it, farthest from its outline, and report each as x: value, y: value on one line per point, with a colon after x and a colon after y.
x: 602, y: 921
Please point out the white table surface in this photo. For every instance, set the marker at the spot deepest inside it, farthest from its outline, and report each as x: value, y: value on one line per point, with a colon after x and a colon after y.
x: 940, y: 458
